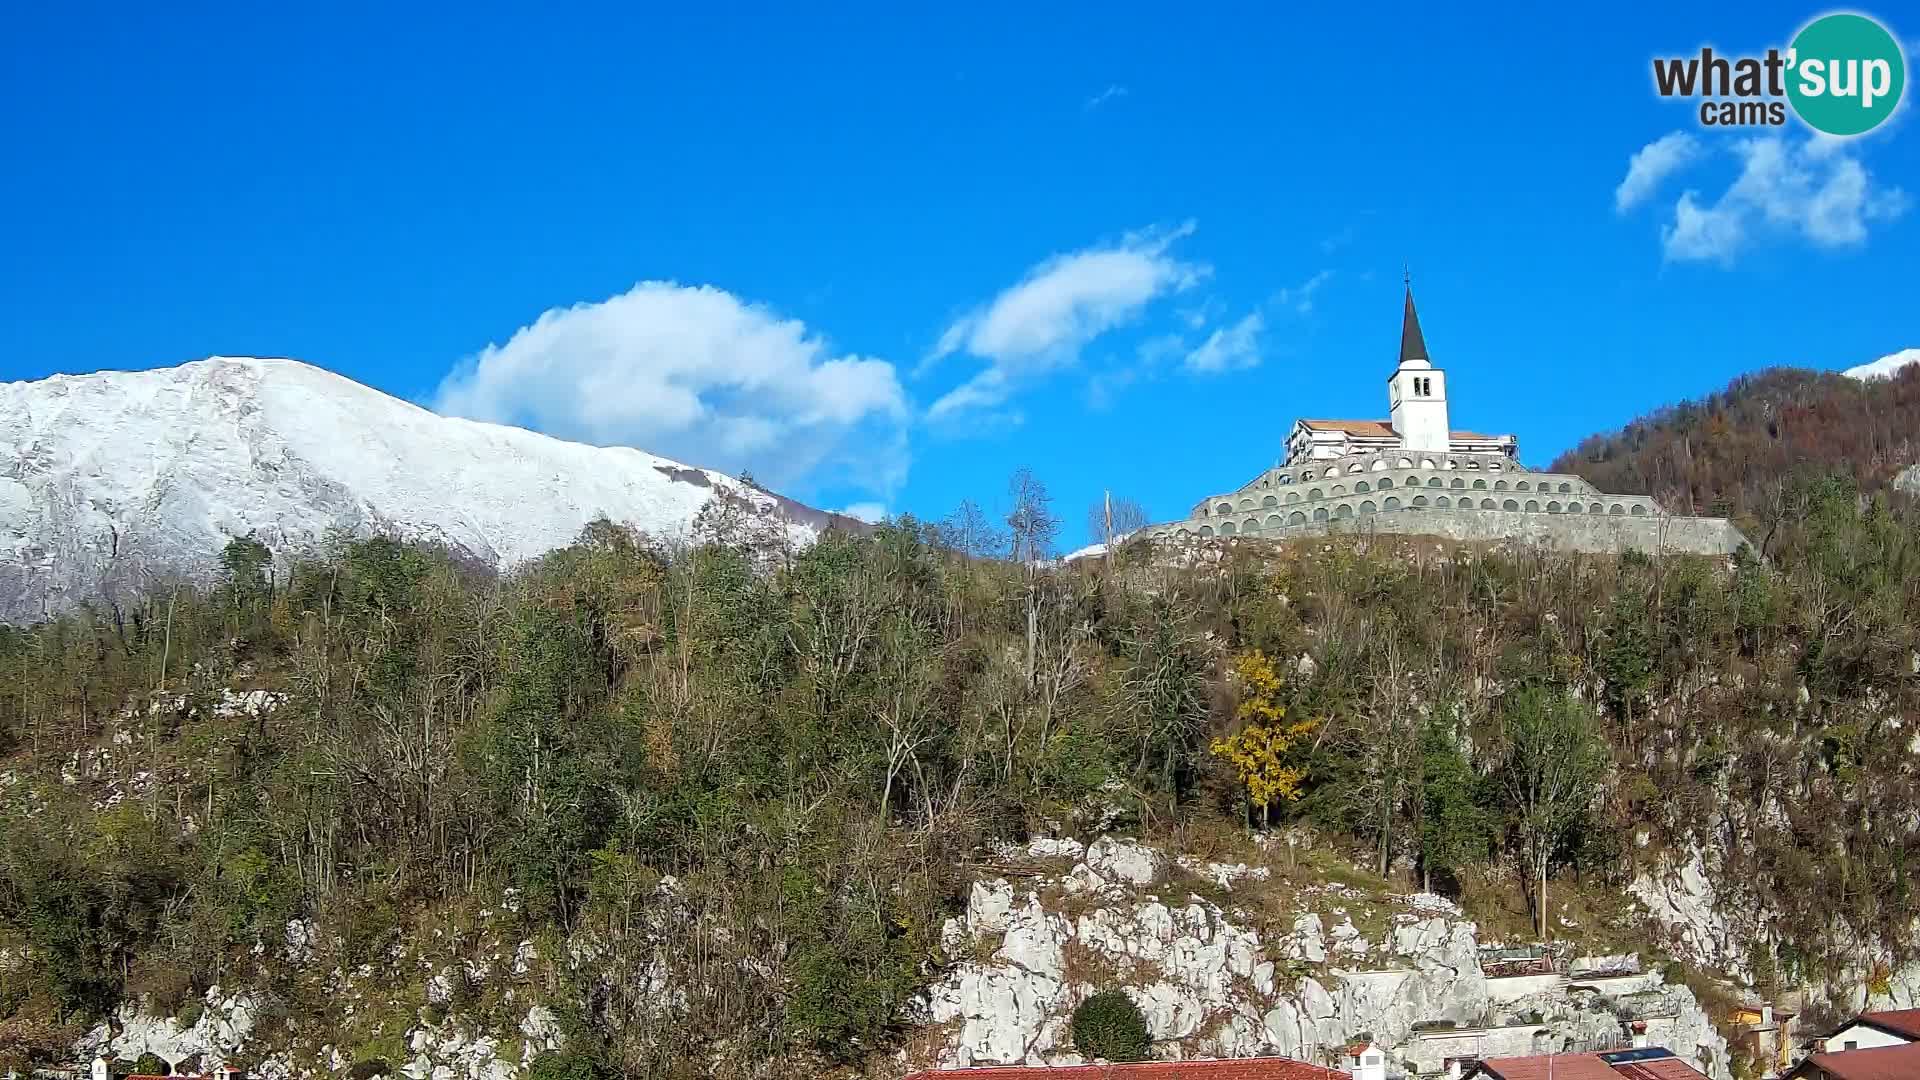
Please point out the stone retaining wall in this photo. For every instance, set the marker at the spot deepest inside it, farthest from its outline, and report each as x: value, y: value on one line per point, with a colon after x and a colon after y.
x: 1592, y: 533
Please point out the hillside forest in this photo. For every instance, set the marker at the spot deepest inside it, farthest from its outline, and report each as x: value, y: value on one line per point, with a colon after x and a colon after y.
x: 768, y: 774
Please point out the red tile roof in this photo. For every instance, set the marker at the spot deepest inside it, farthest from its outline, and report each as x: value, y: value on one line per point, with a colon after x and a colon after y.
x: 1588, y: 1067
x: 1379, y: 429
x: 1543, y: 1066
x: 1879, y: 1063
x: 1383, y: 429
x: 1220, y: 1069
x: 1902, y: 1022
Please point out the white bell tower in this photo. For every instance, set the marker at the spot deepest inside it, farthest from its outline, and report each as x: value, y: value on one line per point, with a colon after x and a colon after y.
x: 1417, y: 391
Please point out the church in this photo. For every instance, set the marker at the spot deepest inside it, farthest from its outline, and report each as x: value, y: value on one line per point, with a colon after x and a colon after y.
x: 1413, y: 473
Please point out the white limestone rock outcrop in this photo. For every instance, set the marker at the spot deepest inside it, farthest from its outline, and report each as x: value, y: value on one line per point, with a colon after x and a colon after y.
x: 449, y: 1052
x: 216, y: 1037
x: 1684, y: 900
x: 1196, y: 976
x: 1209, y: 986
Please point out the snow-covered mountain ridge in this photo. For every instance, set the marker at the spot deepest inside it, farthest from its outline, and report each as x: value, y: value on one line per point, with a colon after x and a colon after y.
x: 1885, y: 367
x: 110, y: 478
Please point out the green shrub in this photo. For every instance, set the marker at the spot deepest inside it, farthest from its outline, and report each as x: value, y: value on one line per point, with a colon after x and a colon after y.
x: 152, y: 1064
x: 368, y: 1069
x: 568, y: 1065
x: 1109, y: 1025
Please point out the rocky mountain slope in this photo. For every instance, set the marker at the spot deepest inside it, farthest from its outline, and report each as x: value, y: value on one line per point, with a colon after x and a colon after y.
x: 112, y: 479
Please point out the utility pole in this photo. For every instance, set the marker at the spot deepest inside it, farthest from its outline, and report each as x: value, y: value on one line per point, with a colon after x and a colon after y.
x: 1107, y: 545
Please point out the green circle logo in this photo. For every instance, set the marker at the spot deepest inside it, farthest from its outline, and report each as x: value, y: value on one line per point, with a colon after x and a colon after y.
x: 1847, y: 74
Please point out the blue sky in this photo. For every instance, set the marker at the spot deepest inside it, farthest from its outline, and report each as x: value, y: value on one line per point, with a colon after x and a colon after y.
x: 883, y: 256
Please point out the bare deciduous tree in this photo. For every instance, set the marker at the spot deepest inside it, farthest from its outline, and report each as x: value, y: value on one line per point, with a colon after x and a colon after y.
x: 970, y: 532
x: 1112, y: 519
x: 1032, y: 528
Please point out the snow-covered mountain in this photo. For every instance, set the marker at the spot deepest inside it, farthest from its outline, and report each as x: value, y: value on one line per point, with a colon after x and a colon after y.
x: 1885, y: 366
x: 111, y: 478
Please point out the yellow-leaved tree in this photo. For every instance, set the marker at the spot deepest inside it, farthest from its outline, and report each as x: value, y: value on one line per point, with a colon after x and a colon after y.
x: 1261, y: 752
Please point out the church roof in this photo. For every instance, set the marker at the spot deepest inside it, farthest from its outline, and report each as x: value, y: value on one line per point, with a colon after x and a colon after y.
x: 1378, y: 429
x: 1381, y: 429
x: 1412, y: 345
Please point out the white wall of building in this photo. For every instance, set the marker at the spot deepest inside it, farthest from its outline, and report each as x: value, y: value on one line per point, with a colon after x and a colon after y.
x: 1866, y: 1037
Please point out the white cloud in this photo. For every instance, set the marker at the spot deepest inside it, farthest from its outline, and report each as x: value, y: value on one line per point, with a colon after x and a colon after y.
x: 1815, y: 188
x: 1231, y: 348
x: 695, y: 374
x: 1300, y: 297
x: 1042, y: 322
x: 984, y: 391
x: 1652, y: 164
x: 1112, y: 92
x: 1198, y: 315
x: 1702, y: 232
x: 872, y: 513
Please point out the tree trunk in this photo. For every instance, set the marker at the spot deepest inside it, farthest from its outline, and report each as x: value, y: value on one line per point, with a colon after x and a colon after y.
x: 1543, y: 898
x: 166, y: 646
x: 1386, y: 832
x: 1033, y: 624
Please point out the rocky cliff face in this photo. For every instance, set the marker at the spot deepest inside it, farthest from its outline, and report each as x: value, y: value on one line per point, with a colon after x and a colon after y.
x: 1210, y: 986
x: 1710, y: 920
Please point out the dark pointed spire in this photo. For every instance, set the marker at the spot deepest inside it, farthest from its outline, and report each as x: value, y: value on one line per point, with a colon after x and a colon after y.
x: 1412, y: 345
